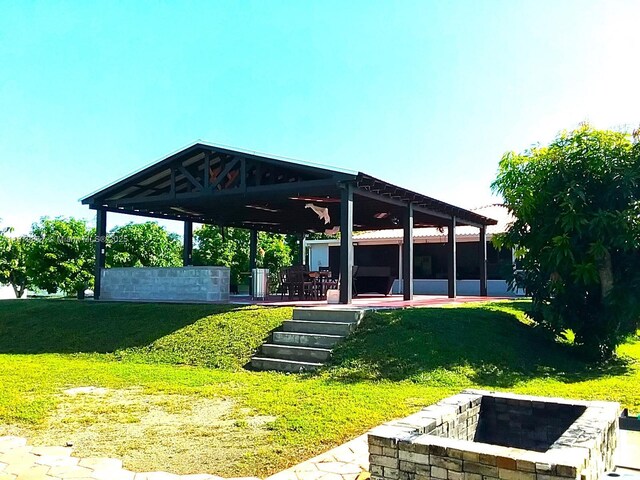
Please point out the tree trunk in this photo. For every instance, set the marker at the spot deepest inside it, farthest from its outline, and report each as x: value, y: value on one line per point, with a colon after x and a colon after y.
x: 18, y: 290
x: 605, y: 271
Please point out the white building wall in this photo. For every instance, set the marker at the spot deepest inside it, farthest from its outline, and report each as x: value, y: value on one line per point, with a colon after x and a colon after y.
x: 318, y: 256
x: 495, y: 288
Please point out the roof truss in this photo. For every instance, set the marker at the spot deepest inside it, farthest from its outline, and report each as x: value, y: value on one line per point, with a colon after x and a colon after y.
x: 207, y: 184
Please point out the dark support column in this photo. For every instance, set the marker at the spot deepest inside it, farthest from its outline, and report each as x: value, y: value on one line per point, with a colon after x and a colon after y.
x: 346, y: 244
x: 187, y: 242
x: 483, y: 260
x: 407, y: 254
x: 452, y: 263
x: 301, y: 248
x: 253, y: 253
x: 101, y: 249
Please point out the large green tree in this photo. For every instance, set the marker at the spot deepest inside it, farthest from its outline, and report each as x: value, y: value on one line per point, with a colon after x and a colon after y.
x: 273, y: 253
x: 577, y: 233
x: 229, y: 247
x: 143, y: 245
x: 60, y: 256
x: 13, y: 262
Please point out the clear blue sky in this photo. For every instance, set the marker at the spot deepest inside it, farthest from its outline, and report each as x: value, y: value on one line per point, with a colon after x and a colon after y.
x: 426, y: 94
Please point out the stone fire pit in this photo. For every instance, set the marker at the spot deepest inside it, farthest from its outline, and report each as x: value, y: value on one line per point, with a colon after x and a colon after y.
x: 481, y: 435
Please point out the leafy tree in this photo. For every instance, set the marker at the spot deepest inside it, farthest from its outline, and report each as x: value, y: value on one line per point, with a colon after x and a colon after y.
x: 143, y: 245
x: 61, y: 255
x: 228, y: 250
x: 232, y: 250
x: 273, y: 253
x: 13, y: 262
x: 577, y: 233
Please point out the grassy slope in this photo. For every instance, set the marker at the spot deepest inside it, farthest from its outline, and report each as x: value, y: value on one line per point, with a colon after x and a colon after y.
x: 220, y: 336
x: 398, y: 361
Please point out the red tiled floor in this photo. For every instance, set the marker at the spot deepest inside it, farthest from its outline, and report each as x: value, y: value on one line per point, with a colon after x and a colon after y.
x: 365, y: 301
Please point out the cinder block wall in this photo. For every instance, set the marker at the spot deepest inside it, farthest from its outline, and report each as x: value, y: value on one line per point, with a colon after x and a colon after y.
x: 525, y: 424
x: 179, y: 284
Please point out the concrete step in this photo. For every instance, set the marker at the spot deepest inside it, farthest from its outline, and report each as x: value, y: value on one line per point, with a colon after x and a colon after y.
x: 328, y: 328
x: 283, y: 365
x: 305, y: 342
x: 328, y: 315
x: 290, y: 352
x: 306, y: 339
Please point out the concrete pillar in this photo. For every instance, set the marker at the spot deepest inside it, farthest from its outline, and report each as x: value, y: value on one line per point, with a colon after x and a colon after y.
x: 187, y: 241
x: 253, y: 253
x: 482, y: 255
x: 451, y: 257
x: 301, y: 248
x: 346, y: 247
x: 101, y: 249
x: 407, y: 254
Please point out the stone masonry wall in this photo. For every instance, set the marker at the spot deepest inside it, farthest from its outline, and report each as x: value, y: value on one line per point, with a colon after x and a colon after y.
x: 179, y: 284
x: 437, y: 443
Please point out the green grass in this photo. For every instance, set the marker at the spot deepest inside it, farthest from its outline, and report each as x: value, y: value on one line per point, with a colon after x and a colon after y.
x: 220, y: 336
x: 156, y: 360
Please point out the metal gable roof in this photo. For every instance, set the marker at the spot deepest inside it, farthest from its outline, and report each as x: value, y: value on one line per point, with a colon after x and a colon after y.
x: 205, y: 183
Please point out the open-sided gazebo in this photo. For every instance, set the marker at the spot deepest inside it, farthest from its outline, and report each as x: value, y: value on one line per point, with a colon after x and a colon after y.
x: 211, y: 185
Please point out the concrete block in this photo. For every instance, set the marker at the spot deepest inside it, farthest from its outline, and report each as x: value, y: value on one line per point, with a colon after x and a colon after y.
x: 506, y: 474
x: 482, y: 469
x: 414, y: 457
x: 438, y: 472
x: 383, y: 461
x: 446, y: 462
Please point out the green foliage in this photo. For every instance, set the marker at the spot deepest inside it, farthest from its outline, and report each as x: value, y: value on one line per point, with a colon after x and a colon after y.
x: 577, y: 233
x: 143, y: 245
x: 273, y: 253
x: 498, y: 347
x: 292, y: 242
x: 232, y: 250
x: 13, y: 262
x: 60, y: 256
x: 228, y: 250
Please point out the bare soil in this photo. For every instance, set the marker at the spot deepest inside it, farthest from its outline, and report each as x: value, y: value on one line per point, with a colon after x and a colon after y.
x: 175, y: 433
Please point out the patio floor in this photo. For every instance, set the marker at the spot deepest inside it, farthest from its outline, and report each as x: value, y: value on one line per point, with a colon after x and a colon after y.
x: 366, y: 301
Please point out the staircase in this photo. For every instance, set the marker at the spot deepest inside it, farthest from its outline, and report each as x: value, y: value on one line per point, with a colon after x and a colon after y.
x: 305, y: 342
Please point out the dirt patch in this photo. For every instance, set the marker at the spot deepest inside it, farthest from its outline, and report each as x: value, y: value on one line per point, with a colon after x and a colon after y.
x: 175, y: 433
x: 85, y: 390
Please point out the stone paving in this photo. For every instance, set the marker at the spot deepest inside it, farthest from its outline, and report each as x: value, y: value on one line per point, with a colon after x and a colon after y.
x: 349, y: 461
x: 18, y: 461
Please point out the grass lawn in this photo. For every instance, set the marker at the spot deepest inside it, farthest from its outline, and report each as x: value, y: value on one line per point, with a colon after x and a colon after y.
x: 173, y: 394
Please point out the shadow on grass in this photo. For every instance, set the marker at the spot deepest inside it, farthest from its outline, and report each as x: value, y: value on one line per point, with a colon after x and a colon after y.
x: 71, y: 326
x: 486, y: 345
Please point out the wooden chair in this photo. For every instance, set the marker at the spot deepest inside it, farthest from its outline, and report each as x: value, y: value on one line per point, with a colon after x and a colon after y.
x: 327, y: 282
x: 284, y: 286
x: 300, y: 285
